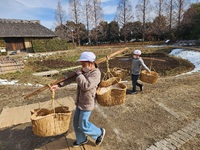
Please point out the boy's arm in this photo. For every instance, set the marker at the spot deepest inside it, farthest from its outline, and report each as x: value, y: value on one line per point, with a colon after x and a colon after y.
x: 144, y: 65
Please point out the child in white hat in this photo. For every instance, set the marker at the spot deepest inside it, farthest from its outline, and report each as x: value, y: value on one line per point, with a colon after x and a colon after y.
x: 88, y: 78
x: 137, y: 64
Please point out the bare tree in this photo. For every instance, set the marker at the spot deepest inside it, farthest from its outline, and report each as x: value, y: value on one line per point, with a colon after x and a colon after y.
x: 75, y: 14
x: 124, y: 15
x: 159, y: 23
x: 97, y: 17
x: 160, y: 7
x: 88, y: 16
x: 170, y: 14
x: 60, y: 19
x: 181, y: 7
x: 143, y: 9
x: 176, y: 11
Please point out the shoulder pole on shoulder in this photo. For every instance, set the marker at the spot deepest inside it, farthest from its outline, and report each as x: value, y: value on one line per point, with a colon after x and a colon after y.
x: 71, y: 76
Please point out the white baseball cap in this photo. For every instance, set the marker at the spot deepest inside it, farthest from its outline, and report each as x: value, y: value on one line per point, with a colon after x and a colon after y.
x: 137, y: 52
x: 87, y: 56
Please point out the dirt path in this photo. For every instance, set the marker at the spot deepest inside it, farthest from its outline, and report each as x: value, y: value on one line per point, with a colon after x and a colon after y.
x: 144, y: 119
x: 148, y: 117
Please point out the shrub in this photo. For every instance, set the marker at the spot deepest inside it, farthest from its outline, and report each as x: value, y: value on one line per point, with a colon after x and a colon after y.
x: 50, y: 45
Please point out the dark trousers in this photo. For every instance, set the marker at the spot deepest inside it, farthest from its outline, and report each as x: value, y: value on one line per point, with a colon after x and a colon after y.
x: 135, y: 83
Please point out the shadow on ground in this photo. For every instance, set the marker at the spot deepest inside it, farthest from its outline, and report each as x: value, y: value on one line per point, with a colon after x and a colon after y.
x: 20, y: 137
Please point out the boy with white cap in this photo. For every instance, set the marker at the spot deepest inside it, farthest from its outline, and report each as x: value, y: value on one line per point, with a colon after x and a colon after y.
x: 137, y: 64
x: 88, y: 78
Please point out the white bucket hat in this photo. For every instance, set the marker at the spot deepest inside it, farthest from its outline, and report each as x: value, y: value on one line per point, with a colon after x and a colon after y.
x: 87, y: 56
x: 137, y: 52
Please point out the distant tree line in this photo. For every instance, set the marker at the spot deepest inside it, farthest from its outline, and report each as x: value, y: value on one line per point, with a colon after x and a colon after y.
x: 156, y: 20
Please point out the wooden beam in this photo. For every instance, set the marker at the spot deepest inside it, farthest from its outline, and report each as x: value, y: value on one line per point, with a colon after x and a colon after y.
x: 154, y: 59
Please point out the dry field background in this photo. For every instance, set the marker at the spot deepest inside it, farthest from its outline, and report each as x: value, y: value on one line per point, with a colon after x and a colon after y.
x: 145, y: 118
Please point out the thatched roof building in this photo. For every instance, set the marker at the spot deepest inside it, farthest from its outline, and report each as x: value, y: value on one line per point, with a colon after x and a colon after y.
x: 23, y: 28
x: 18, y: 34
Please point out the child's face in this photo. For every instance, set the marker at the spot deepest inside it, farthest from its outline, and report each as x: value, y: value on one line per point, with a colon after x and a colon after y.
x: 136, y: 56
x: 86, y: 64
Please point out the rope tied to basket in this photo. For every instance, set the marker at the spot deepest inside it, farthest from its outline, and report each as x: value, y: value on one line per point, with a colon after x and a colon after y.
x: 151, y: 64
x: 52, y: 103
x: 52, y: 99
x: 108, y: 78
x: 107, y: 74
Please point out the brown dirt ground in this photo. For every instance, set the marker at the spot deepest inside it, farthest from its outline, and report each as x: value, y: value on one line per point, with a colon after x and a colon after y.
x: 135, y: 125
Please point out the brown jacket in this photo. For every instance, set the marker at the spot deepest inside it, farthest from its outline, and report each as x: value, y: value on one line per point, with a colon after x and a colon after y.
x: 86, y: 89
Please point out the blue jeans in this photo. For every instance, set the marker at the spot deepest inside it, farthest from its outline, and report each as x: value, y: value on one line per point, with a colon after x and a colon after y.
x: 134, y: 82
x: 83, y: 127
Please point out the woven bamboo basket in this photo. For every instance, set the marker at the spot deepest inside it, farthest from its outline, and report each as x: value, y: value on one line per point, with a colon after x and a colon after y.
x: 110, y: 81
x: 53, y: 122
x: 151, y: 77
x: 112, y: 95
x: 119, y: 72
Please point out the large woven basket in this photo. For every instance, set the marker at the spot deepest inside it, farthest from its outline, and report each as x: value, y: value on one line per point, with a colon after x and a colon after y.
x: 147, y: 77
x: 112, y: 95
x: 110, y: 81
x: 46, y: 122
x: 119, y: 72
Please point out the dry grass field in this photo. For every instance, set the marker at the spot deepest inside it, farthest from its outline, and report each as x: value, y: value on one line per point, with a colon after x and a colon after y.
x: 144, y: 119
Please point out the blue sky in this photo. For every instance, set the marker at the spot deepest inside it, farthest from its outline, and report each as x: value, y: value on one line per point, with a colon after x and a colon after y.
x: 44, y: 10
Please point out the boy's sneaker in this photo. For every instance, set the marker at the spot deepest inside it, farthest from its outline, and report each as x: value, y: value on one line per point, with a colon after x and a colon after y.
x: 134, y: 93
x: 141, y: 87
x: 99, y: 140
x: 82, y: 143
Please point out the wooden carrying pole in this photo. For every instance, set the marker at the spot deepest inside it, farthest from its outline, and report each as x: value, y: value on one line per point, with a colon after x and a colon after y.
x: 71, y: 76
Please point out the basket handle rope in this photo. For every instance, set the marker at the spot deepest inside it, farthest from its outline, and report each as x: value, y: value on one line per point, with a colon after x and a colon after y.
x: 107, y: 74
x: 52, y: 102
x: 151, y: 64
